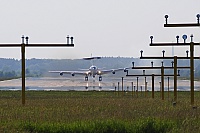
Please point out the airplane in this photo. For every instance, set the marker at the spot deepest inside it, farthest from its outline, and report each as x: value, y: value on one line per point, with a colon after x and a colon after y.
x: 92, y: 71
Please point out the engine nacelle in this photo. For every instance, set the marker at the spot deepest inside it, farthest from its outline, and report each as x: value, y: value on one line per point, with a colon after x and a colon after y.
x: 113, y: 72
x: 73, y: 74
x: 61, y: 73
x: 125, y: 70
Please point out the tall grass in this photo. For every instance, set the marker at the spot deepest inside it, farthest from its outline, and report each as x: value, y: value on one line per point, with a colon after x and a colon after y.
x: 97, y: 111
x: 106, y: 126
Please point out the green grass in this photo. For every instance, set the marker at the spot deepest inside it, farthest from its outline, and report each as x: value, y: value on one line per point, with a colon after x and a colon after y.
x: 59, y: 112
x: 106, y: 126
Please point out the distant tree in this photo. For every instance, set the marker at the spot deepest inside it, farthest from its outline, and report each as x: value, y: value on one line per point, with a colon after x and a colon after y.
x: 1, y: 74
x: 27, y: 71
x: 11, y: 74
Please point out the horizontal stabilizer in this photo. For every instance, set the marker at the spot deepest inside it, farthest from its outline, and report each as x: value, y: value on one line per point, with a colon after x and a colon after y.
x: 91, y: 58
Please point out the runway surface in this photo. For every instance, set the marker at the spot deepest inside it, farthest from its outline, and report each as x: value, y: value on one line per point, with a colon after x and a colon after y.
x: 78, y: 84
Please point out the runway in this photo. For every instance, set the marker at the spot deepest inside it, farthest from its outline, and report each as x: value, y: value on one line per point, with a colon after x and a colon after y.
x: 78, y: 84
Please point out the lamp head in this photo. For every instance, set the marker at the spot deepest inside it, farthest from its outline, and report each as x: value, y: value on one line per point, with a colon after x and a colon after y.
x: 184, y: 37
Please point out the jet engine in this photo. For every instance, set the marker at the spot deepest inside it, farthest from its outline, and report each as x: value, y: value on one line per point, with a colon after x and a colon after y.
x: 113, y: 72
x: 125, y: 70
x: 73, y: 74
x: 61, y: 73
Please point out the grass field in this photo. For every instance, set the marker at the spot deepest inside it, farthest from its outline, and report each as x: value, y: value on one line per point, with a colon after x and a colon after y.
x: 60, y: 112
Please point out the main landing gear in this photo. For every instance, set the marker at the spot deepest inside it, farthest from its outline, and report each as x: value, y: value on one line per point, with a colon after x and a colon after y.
x: 100, y: 78
x: 86, y: 78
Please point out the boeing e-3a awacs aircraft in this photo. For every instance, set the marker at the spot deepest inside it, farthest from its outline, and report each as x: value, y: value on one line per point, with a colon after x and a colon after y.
x: 92, y: 71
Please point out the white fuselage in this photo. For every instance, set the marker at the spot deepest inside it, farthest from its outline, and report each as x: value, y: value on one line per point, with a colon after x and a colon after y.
x: 93, y: 70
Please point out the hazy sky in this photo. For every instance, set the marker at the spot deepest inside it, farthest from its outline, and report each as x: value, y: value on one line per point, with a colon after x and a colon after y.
x: 100, y: 27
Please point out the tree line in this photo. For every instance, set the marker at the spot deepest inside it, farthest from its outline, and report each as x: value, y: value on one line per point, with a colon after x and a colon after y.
x: 11, y: 68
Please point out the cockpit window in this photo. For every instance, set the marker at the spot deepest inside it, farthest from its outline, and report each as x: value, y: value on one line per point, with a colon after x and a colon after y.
x: 93, y: 68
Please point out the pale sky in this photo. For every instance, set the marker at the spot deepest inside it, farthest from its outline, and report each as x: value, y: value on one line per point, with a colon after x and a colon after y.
x: 101, y: 27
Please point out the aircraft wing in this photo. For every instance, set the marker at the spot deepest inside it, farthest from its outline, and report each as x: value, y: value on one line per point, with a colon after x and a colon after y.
x: 71, y: 72
x: 101, y: 72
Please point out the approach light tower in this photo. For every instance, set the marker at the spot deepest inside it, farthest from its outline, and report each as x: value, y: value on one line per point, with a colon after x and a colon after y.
x: 162, y: 68
x: 191, y: 44
x: 23, y: 46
